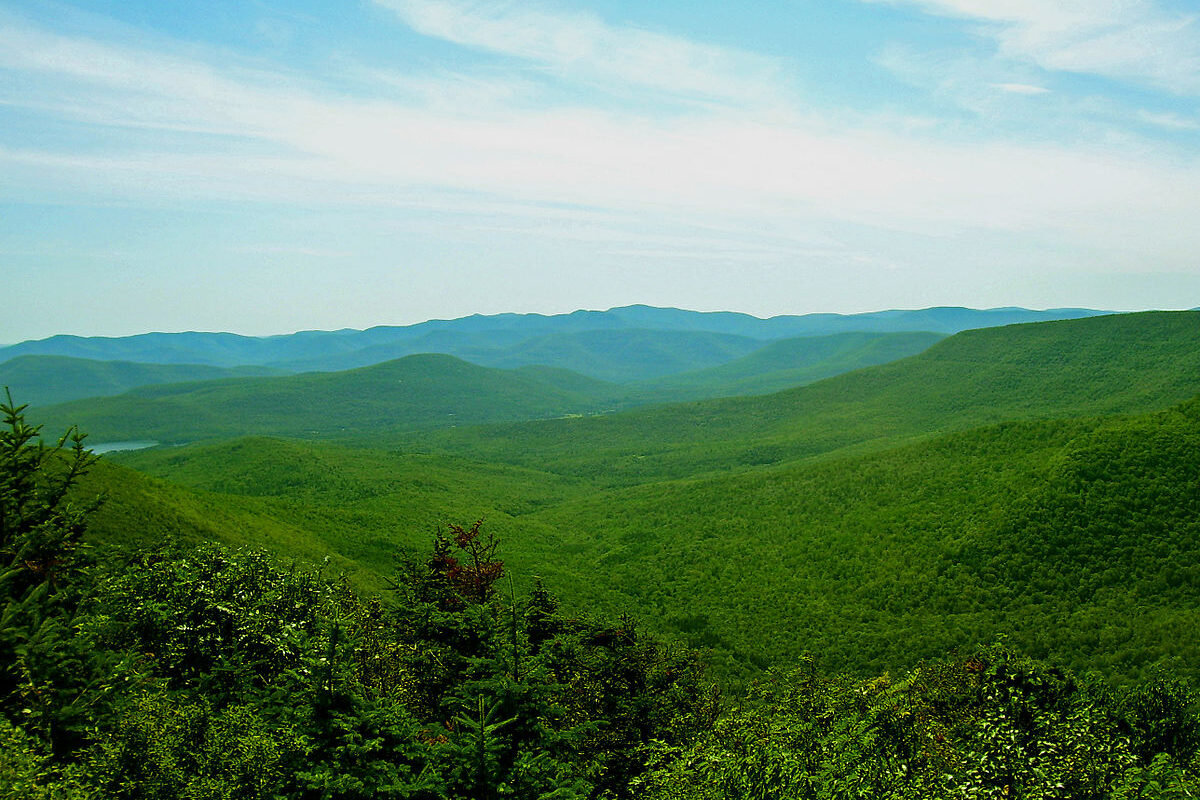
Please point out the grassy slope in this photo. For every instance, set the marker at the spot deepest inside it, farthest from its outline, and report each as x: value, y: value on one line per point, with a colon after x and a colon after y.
x: 141, y: 511
x: 45, y: 380
x: 1110, y: 364
x: 407, y: 394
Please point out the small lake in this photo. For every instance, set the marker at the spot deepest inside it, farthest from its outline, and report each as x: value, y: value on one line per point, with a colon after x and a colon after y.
x: 113, y: 447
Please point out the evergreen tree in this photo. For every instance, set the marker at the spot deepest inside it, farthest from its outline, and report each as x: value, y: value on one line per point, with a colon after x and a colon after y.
x: 42, y: 670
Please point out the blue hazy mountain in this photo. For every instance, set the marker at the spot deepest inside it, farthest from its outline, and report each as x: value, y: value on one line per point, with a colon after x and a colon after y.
x: 511, y: 340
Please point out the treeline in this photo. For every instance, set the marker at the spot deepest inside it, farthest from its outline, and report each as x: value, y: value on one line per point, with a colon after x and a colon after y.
x: 217, y: 673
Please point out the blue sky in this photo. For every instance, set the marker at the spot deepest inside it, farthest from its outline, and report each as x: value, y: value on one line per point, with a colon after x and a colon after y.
x: 262, y: 166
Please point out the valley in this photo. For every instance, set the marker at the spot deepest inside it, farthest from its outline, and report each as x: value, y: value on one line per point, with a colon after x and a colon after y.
x: 877, y: 517
x: 983, y: 514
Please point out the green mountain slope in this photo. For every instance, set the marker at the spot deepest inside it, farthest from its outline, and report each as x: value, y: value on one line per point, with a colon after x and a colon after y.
x: 788, y: 363
x: 1075, y: 538
x: 429, y: 390
x: 141, y: 511
x: 982, y: 488
x: 1110, y: 364
x: 623, y: 355
x: 46, y: 380
x: 659, y: 366
x: 407, y: 394
x: 366, y: 507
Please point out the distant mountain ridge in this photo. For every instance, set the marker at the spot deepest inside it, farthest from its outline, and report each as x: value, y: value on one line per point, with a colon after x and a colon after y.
x: 44, y: 380
x: 493, y: 340
x: 1109, y: 364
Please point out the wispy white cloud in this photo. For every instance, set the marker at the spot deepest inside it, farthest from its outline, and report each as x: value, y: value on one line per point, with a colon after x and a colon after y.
x: 581, y: 46
x: 1131, y: 40
x: 1021, y: 88
x: 289, y: 250
x: 1170, y: 120
x: 719, y: 165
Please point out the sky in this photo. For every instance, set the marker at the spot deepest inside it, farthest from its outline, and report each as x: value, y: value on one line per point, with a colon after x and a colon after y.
x: 262, y: 167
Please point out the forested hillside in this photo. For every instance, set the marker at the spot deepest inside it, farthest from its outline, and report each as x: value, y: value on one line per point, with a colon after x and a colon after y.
x: 406, y: 394
x: 787, y: 363
x: 45, y: 380
x: 964, y: 573
x: 1121, y: 363
x: 834, y: 518
x: 177, y: 672
x: 873, y: 560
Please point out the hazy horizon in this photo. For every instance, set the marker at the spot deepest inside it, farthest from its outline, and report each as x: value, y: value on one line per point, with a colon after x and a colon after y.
x: 278, y: 166
x: 593, y: 310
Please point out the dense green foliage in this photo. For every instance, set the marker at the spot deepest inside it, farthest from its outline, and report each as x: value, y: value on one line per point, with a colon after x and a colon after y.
x: 40, y: 529
x: 1038, y: 484
x: 213, y: 673
x: 317, y: 500
x: 1074, y: 538
x: 210, y: 673
x: 876, y: 559
x: 984, y: 725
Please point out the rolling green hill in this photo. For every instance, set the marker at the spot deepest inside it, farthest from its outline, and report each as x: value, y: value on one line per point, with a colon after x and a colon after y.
x: 365, y: 508
x: 1110, y: 364
x: 440, y: 391
x: 1019, y: 482
x: 1075, y: 538
x: 787, y: 363
x: 406, y: 394
x: 623, y: 355
x: 141, y: 511
x: 46, y: 380
x: 1036, y: 484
